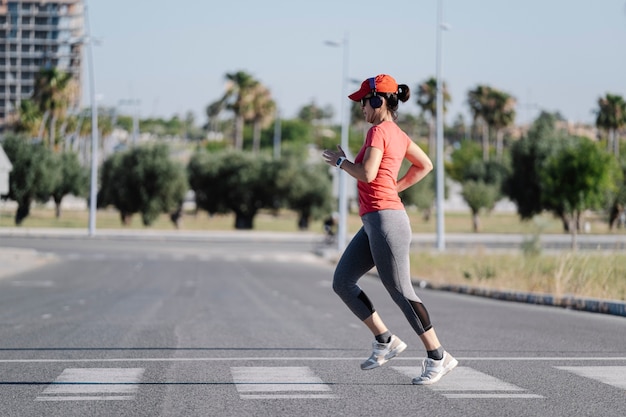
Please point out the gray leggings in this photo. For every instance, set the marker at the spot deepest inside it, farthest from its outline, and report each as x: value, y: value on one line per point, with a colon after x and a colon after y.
x: 384, y: 242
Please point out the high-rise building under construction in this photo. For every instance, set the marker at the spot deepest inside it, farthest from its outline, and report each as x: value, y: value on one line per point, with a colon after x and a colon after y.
x: 35, y: 35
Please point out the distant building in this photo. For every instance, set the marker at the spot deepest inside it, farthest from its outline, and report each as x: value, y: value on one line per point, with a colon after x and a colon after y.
x: 35, y: 35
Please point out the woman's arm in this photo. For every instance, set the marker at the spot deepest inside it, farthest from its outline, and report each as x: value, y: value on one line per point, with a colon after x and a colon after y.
x: 365, y: 171
x: 421, y: 165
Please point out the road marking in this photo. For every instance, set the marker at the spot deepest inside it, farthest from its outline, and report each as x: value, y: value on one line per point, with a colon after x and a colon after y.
x: 293, y: 358
x: 610, y: 375
x: 463, y: 378
x: 33, y: 284
x: 293, y: 382
x: 81, y: 384
x: 490, y: 396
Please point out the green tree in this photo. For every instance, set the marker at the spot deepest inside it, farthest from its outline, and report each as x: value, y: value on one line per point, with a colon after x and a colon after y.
x: 427, y: 101
x: 312, y: 113
x: 29, y: 119
x: 528, y: 155
x: 611, y: 117
x: 307, y: 189
x: 238, y: 98
x: 261, y: 114
x: 481, y: 181
x: 421, y: 195
x: 73, y: 179
x: 234, y: 181
x: 618, y: 200
x: 500, y: 115
x: 202, y: 175
x: 143, y: 180
x: 479, y: 195
x: 54, y: 92
x: 576, y: 178
x: 318, y: 120
x: 478, y: 102
x: 33, y: 176
x: 461, y: 158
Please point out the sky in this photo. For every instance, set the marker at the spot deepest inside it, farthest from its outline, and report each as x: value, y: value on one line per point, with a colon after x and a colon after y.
x: 171, y: 57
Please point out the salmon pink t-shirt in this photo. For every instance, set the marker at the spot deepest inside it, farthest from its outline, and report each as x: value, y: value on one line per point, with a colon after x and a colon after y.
x: 382, y: 194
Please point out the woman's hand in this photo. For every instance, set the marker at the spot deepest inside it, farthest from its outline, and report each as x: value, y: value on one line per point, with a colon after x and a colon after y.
x: 331, y: 157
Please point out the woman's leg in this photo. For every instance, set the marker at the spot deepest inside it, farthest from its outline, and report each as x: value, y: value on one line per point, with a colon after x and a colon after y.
x: 389, y: 233
x: 355, y: 262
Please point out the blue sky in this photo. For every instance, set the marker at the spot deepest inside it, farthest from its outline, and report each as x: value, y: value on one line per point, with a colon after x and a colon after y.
x: 172, y: 56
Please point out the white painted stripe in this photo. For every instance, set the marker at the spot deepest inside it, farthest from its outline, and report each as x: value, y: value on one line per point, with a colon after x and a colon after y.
x: 274, y: 379
x: 89, y: 388
x: 463, y: 378
x: 304, y: 358
x: 490, y: 396
x: 610, y: 375
x: 279, y: 383
x: 88, y: 398
x: 105, y: 381
x: 287, y: 396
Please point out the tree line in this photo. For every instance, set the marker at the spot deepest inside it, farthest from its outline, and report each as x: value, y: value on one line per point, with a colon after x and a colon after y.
x: 546, y: 169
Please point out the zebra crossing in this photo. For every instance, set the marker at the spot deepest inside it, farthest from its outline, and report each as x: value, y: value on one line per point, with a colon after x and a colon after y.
x: 91, y: 384
x: 302, y: 382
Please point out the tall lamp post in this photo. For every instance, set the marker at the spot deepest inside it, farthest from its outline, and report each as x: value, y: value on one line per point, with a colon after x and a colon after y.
x: 441, y: 242
x: 345, y: 115
x: 93, y: 193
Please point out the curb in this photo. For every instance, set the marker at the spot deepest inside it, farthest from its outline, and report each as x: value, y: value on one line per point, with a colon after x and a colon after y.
x: 592, y: 305
x: 612, y: 307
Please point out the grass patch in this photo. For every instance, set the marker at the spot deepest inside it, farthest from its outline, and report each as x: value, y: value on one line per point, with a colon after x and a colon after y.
x: 287, y: 221
x: 583, y: 274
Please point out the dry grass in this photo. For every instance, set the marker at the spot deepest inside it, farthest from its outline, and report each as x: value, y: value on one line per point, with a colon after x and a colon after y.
x: 584, y: 274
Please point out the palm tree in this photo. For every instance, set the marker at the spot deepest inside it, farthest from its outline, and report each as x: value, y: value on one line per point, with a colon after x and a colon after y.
x: 427, y: 101
x: 501, y: 115
x: 477, y: 100
x: 611, y: 116
x: 29, y: 119
x: 238, y: 98
x: 261, y: 113
x: 54, y: 91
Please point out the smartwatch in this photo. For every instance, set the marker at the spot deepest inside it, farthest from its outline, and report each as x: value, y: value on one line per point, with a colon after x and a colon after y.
x: 340, y: 161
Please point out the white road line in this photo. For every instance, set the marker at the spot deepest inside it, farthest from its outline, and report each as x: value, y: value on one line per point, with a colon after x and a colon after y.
x: 491, y: 396
x: 467, y: 379
x: 283, y: 382
x: 611, y: 375
x: 304, y: 358
x: 109, y: 382
x: 287, y: 396
x: 88, y: 398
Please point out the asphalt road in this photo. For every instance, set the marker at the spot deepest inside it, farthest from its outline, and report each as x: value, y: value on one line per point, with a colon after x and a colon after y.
x: 241, y: 326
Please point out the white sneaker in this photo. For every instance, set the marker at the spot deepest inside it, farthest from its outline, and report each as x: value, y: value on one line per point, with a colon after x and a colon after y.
x: 433, y: 370
x: 382, y: 352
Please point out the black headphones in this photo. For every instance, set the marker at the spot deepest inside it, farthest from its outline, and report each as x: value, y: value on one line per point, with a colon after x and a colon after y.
x: 375, y: 100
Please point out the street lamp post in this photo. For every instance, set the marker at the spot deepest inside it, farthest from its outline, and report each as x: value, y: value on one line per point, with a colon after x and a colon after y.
x: 441, y: 243
x: 93, y: 193
x: 343, y: 180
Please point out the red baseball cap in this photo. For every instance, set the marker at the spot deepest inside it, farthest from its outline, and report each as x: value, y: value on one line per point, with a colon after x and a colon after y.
x: 381, y: 83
